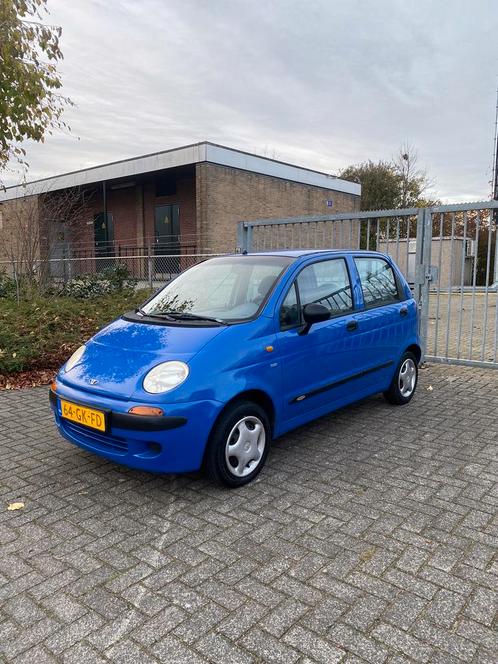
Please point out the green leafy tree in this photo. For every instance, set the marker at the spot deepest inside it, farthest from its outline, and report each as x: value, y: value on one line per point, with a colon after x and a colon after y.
x: 398, y: 183
x: 30, y: 102
x: 380, y: 184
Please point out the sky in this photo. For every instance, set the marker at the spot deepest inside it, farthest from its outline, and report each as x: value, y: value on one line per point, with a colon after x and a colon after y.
x: 319, y: 83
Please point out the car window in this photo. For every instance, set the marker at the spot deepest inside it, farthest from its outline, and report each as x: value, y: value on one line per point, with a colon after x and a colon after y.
x: 289, y: 312
x: 230, y: 288
x: 377, y: 281
x: 327, y: 283
x: 262, y: 279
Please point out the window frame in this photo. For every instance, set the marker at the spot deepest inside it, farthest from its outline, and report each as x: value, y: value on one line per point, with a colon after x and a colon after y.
x: 399, y: 289
x: 183, y: 323
x: 285, y: 328
x: 298, y: 294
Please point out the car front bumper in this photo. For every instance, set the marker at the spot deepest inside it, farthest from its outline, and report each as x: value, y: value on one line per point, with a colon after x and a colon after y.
x: 173, y: 443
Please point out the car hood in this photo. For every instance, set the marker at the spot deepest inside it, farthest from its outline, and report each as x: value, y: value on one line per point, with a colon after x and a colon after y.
x: 118, y: 357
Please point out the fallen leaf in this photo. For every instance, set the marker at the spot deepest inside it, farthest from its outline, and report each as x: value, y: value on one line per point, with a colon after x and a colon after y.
x: 367, y: 555
x: 15, y: 506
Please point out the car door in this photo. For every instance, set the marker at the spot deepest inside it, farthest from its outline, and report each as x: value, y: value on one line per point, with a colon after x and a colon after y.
x: 385, y: 318
x: 314, y: 366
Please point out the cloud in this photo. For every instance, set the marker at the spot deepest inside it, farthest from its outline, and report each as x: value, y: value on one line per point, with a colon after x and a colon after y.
x: 320, y: 83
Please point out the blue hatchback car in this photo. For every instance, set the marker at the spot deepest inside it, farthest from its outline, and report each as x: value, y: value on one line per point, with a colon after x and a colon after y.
x: 237, y: 351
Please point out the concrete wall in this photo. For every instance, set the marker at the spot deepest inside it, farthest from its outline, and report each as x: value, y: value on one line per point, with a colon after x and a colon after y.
x: 442, y: 253
x: 227, y: 195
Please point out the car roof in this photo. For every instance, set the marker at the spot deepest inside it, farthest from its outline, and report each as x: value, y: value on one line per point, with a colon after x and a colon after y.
x: 299, y: 253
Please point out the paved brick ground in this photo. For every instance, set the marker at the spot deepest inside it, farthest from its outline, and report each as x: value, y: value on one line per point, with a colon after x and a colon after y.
x: 371, y: 536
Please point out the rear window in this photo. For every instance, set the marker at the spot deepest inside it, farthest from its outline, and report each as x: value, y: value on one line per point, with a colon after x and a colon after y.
x: 378, y: 282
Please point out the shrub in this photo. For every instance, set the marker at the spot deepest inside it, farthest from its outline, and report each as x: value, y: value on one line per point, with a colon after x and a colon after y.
x: 7, y: 286
x: 43, y: 332
x: 106, y: 282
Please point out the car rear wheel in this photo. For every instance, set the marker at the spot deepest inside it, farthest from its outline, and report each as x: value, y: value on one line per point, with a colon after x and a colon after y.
x: 404, y: 382
x: 238, y: 445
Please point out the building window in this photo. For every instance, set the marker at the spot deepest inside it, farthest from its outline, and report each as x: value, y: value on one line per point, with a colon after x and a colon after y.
x: 103, y: 229
x: 165, y: 184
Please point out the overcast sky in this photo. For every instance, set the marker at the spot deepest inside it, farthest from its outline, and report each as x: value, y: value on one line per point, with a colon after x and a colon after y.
x: 320, y: 83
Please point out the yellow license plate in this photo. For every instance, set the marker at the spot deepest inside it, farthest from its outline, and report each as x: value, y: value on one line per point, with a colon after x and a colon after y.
x: 88, y: 417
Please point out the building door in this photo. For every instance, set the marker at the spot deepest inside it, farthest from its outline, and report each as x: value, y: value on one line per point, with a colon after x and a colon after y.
x: 58, y: 250
x: 167, y: 239
x: 103, y: 229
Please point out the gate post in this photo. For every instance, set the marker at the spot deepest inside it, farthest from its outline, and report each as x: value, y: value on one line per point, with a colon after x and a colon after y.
x: 244, y: 237
x: 423, y: 274
x: 241, y: 237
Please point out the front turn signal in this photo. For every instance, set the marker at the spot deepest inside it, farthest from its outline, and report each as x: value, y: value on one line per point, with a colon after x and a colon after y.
x: 149, y: 411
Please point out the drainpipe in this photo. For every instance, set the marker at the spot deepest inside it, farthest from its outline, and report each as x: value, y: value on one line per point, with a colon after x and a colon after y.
x: 104, y: 206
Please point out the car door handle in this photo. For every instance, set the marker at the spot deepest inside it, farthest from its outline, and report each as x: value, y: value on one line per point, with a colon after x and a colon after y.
x: 403, y: 311
x: 351, y: 326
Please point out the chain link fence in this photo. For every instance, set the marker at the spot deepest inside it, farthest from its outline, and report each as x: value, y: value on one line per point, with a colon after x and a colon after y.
x: 145, y: 269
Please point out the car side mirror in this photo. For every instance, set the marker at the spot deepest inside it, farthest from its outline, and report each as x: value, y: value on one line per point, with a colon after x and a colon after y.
x: 313, y: 313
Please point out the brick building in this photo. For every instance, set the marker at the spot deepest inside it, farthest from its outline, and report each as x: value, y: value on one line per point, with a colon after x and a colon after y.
x: 185, y: 200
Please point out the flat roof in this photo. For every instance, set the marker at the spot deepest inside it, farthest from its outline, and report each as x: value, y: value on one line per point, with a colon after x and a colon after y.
x: 183, y: 156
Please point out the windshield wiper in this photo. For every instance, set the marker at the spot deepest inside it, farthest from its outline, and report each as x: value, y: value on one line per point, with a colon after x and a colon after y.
x: 185, y: 315
x: 157, y: 314
x: 180, y: 315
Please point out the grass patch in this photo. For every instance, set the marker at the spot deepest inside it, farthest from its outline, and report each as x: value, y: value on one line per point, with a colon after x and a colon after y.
x: 41, y: 333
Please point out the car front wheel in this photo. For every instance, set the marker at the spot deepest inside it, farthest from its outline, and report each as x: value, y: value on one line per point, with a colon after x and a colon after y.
x: 404, y: 382
x: 238, y: 445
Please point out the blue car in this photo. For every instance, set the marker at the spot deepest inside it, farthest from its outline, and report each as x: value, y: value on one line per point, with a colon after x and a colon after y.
x: 235, y: 352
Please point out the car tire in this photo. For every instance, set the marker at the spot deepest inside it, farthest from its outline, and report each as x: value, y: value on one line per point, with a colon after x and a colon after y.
x: 232, y: 465
x: 404, y: 382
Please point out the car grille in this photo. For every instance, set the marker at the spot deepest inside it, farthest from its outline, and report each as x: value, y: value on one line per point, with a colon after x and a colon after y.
x: 98, y: 441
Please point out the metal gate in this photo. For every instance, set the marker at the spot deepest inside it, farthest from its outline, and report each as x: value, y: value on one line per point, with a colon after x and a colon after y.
x: 448, y: 253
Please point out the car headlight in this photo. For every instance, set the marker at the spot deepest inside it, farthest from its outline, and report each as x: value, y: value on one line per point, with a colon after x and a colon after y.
x: 165, y: 377
x: 75, y: 358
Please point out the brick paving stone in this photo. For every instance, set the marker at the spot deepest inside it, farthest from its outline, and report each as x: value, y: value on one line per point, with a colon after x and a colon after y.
x: 312, y: 645
x: 217, y: 649
x: 39, y: 655
x: 128, y: 652
x: 240, y: 621
x: 445, y: 640
x: 284, y: 616
x: 365, y: 612
x: 445, y: 607
x: 355, y: 642
x: 482, y: 606
x: 80, y: 653
x: 268, y: 648
x: 399, y: 640
x: 388, y: 552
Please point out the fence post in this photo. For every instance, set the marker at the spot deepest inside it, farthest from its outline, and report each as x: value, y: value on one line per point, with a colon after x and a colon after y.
x: 241, y: 237
x: 149, y: 266
x: 423, y: 273
x: 495, y: 279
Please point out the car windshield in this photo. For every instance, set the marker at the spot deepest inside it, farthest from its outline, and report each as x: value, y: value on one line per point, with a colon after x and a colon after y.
x: 229, y: 288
